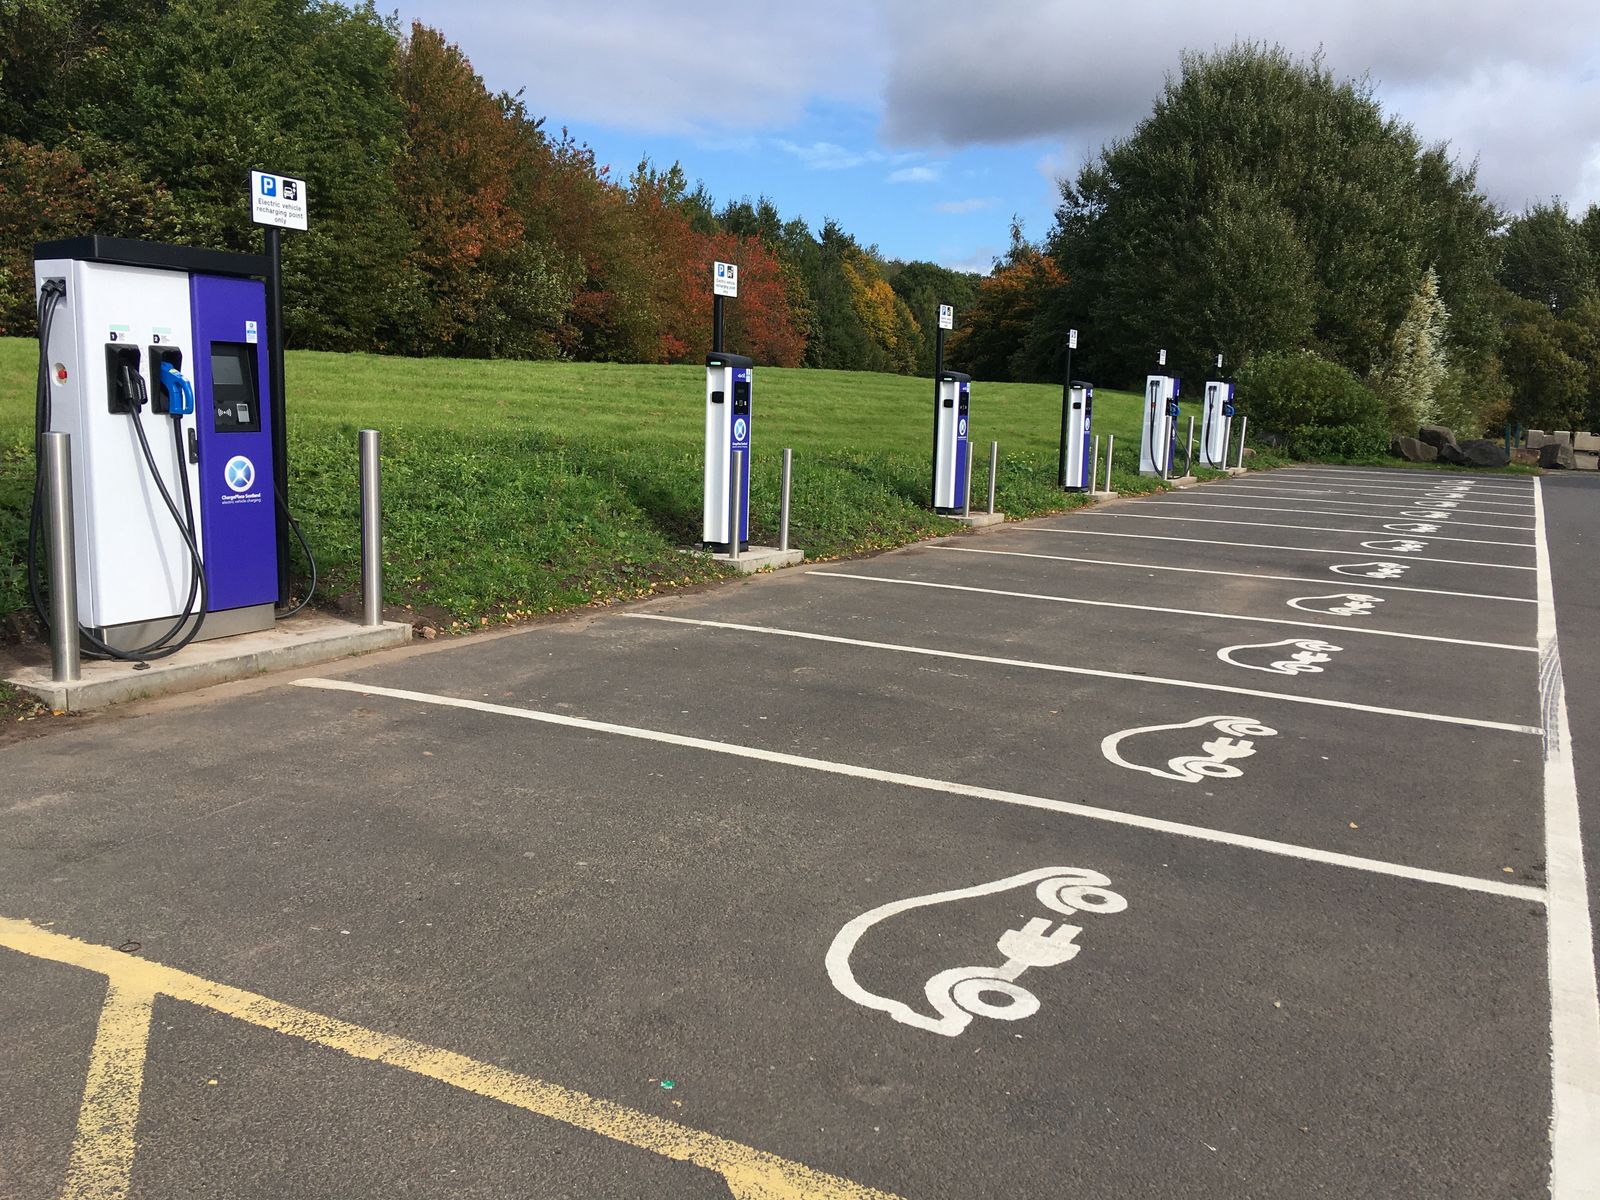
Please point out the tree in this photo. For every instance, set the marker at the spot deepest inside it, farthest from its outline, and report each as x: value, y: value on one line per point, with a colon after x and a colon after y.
x: 1546, y: 257
x: 1416, y: 363
x: 1549, y: 381
x: 992, y: 344
x: 1259, y: 174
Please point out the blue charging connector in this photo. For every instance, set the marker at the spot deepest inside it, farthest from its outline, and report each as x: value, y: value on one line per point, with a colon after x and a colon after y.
x: 180, y: 392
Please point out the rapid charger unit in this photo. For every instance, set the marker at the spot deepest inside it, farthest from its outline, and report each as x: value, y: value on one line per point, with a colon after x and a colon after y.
x: 728, y: 382
x: 1216, y: 424
x: 951, y: 446
x: 1159, y: 429
x: 153, y: 360
x: 1080, y: 416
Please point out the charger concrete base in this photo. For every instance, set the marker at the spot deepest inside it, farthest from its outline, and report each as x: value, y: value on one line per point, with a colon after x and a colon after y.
x: 297, y: 642
x: 977, y: 520
x: 759, y: 558
x: 1238, y: 470
x: 1183, y: 481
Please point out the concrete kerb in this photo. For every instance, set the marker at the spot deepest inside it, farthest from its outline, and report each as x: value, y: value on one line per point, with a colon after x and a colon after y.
x: 298, y: 642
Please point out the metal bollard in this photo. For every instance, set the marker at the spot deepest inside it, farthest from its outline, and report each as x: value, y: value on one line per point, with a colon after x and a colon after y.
x: 735, y: 494
x: 1094, y: 470
x: 371, y: 531
x: 1244, y: 427
x: 783, y: 499
x: 1111, y: 449
x: 1188, y: 455
x: 966, y: 504
x: 64, y: 662
x: 994, y: 465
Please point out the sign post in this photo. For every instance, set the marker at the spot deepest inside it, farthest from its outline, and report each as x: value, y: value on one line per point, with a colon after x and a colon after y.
x: 278, y: 203
x: 1066, y: 396
x: 724, y: 282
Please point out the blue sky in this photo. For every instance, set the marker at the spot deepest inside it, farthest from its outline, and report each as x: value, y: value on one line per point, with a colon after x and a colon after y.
x: 923, y: 126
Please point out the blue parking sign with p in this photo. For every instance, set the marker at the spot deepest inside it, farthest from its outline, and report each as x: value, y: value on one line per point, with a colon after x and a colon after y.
x: 269, y: 185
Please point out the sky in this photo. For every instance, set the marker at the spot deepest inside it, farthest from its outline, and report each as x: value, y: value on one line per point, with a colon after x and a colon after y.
x: 924, y: 126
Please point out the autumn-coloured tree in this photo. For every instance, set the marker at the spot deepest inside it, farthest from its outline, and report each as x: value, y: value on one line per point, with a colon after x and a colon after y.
x: 1001, y: 322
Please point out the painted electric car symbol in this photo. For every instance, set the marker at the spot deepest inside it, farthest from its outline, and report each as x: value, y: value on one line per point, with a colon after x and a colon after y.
x: 961, y: 993
x: 1372, y: 570
x: 239, y: 474
x: 1396, y: 546
x: 1431, y: 514
x: 1339, y: 604
x: 1192, y: 768
x: 1308, y: 652
x: 1418, y: 527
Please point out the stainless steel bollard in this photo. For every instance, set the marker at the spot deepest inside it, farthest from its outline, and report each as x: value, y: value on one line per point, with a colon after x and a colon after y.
x: 1188, y: 455
x: 966, y: 503
x: 783, y: 499
x: 1094, y: 470
x: 1244, y: 427
x: 65, y: 666
x: 371, y: 531
x: 1111, y: 449
x: 994, y: 465
x: 735, y: 493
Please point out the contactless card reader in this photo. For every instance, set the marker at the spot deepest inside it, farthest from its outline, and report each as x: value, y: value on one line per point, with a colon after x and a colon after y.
x: 1080, y: 413
x: 951, y: 441
x: 1216, y: 424
x: 1158, y: 433
x: 728, y: 383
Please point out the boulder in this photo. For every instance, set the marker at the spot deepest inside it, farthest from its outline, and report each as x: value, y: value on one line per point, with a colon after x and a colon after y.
x: 1481, y: 452
x: 1412, y: 450
x: 1557, y: 455
x: 1437, y: 436
x: 1522, y: 456
x: 1451, y: 453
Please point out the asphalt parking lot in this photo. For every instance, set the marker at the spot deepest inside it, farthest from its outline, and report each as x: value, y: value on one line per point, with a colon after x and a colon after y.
x: 1220, y: 844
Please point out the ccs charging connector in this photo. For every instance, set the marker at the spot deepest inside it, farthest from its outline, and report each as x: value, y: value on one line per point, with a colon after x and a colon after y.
x: 178, y: 391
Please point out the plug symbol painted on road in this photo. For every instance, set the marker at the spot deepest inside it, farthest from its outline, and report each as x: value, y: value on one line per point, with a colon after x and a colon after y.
x: 1219, y: 753
x: 1372, y: 570
x: 1308, y: 654
x: 1396, y: 546
x: 959, y: 994
x: 1405, y: 527
x: 1339, y: 604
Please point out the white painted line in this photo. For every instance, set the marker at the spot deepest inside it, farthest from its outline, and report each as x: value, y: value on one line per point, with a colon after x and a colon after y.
x: 1464, y: 496
x: 1574, y: 992
x: 1432, y: 537
x: 1331, y: 476
x: 1460, y: 501
x: 1156, y: 537
x: 1311, y: 512
x: 1452, y: 506
x: 1101, y: 562
x: 1470, y: 883
x: 1179, y: 612
x: 1121, y: 676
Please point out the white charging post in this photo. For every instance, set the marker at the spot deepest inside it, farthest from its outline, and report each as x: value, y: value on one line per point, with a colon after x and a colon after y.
x: 1158, y: 426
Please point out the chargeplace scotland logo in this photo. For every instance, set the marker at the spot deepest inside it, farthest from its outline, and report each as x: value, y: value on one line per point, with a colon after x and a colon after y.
x: 239, y: 474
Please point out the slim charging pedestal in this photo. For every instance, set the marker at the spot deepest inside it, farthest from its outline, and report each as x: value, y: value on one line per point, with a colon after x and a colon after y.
x: 1158, y: 429
x: 1080, y: 417
x: 730, y: 380
x: 952, y: 453
x: 1216, y: 426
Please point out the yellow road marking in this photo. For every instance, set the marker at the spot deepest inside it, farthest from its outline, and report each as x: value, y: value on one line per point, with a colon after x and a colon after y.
x: 110, y: 1107
x: 102, y: 1151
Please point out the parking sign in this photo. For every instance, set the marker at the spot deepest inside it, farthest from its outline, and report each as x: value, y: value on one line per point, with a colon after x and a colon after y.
x: 277, y: 200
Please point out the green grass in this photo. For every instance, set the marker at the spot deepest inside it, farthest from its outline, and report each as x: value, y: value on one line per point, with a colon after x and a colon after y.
x: 513, y: 488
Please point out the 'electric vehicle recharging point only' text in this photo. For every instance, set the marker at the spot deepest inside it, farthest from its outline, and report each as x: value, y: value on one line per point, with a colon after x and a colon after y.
x: 153, y: 361
x: 1216, y: 424
x: 1080, y: 416
x: 951, y: 445
x: 728, y: 383
x: 1159, y: 423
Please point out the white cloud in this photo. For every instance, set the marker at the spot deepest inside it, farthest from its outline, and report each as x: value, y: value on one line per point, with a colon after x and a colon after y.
x: 827, y: 156
x: 976, y: 204
x: 922, y: 174
x: 979, y: 261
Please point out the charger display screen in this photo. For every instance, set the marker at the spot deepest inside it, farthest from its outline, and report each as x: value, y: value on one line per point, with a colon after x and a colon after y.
x: 235, y: 400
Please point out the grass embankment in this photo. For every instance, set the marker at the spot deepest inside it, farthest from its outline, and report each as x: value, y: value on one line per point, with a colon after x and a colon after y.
x: 513, y: 488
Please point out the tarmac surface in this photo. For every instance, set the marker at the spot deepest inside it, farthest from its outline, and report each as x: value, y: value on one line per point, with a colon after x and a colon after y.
x: 1210, y: 845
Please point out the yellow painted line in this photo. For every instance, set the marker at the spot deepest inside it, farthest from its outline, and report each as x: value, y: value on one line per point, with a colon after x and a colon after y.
x: 750, y: 1174
x: 102, y: 1151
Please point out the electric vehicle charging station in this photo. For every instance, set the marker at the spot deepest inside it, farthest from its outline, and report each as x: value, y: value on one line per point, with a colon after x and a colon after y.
x: 1216, y: 424
x: 1080, y: 416
x: 728, y: 383
x: 154, y: 362
x: 1159, y: 428
x: 952, y: 458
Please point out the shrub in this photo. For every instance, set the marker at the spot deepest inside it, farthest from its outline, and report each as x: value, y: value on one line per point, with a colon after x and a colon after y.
x: 1317, y: 407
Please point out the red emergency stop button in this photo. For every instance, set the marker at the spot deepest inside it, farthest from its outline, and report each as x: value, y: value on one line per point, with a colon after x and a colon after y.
x: 61, y: 372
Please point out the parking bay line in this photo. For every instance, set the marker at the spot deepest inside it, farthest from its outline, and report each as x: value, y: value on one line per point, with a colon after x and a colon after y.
x: 1312, y: 512
x: 102, y: 1157
x: 1092, y: 672
x: 1322, y: 488
x: 1180, y: 612
x: 1470, y: 883
x: 1365, y: 583
x: 1574, y: 992
x: 1397, y: 486
x: 1371, y: 533
x: 1401, y: 477
x: 1156, y: 537
x: 1288, y: 496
